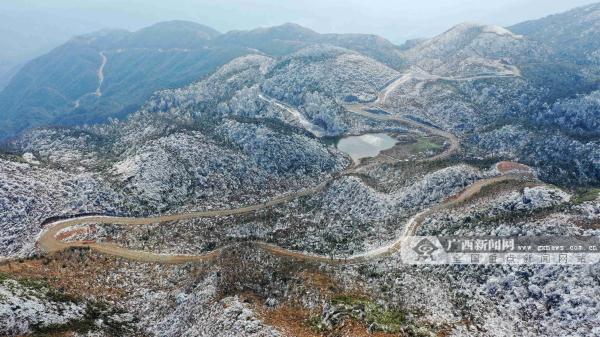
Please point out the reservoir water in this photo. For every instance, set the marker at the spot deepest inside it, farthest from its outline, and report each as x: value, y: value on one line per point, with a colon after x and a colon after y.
x: 365, y: 146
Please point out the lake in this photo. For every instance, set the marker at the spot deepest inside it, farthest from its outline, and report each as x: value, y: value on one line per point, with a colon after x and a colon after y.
x: 365, y: 146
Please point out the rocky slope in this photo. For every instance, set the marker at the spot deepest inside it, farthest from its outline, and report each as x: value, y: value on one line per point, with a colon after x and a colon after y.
x: 499, y: 90
x: 29, y: 306
x: 31, y: 193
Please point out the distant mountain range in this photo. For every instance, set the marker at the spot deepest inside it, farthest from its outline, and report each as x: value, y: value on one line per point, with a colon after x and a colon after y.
x: 111, y: 73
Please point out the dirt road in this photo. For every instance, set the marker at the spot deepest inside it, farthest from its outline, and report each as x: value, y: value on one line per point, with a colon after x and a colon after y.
x: 101, y: 74
x: 48, y: 241
x: 454, y: 142
x: 302, y: 120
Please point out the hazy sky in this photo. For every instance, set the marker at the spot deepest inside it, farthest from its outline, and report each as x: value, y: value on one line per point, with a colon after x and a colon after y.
x: 396, y: 20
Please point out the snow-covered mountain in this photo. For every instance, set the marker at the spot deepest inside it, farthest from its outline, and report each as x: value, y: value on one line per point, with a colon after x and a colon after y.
x: 470, y: 49
x: 269, y: 228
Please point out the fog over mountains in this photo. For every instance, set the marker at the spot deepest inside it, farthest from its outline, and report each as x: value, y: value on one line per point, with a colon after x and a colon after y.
x: 30, y: 29
x: 63, y: 87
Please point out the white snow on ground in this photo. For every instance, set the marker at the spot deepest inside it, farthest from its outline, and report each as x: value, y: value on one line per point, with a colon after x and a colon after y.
x: 22, y: 307
x: 302, y: 120
x: 500, y: 31
x: 126, y: 168
x: 30, y: 158
x: 192, y: 310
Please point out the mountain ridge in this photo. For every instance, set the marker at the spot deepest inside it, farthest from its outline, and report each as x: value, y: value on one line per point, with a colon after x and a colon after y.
x: 492, y: 135
x: 133, y: 65
x: 137, y: 62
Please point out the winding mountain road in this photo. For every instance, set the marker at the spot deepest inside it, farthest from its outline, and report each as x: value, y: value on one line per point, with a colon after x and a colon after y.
x: 49, y: 242
x: 101, y: 73
x: 104, y: 61
x: 380, y: 104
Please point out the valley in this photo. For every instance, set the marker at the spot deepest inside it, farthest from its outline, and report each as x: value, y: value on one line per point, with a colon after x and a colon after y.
x: 50, y: 244
x: 180, y: 181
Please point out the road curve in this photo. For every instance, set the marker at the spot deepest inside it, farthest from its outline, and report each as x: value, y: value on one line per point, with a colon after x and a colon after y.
x: 363, y: 109
x: 49, y: 243
x: 302, y: 120
x: 454, y: 142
